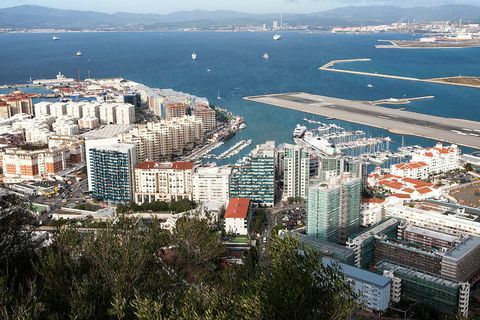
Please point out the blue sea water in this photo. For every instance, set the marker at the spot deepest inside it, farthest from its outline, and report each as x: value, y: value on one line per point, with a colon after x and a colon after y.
x: 238, y: 70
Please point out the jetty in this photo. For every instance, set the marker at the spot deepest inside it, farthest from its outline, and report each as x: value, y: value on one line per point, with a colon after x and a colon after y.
x: 330, y: 66
x: 398, y: 121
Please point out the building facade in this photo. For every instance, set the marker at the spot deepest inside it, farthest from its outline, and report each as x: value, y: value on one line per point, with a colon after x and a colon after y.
x: 111, y: 174
x: 168, y: 181
x: 238, y: 216
x: 254, y: 178
x: 296, y: 172
x: 211, y: 184
x: 163, y: 140
x: 333, y: 208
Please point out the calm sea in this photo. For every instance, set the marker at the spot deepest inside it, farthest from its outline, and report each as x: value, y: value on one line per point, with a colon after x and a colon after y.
x: 237, y: 70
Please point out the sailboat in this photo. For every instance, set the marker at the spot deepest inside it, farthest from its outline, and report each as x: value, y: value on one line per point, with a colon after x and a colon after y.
x: 194, y: 56
x: 218, y: 96
x: 78, y: 54
x: 266, y: 56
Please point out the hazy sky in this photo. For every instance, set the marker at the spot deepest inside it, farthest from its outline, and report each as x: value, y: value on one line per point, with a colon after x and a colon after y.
x: 256, y: 6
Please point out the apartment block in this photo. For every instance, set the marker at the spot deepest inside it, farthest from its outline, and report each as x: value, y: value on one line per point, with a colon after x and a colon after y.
x: 168, y: 181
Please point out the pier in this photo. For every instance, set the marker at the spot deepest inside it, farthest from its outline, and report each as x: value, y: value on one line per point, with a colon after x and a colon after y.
x: 444, y: 81
x: 458, y: 131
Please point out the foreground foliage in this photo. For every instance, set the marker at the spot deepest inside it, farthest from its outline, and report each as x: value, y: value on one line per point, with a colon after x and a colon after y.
x: 136, y: 270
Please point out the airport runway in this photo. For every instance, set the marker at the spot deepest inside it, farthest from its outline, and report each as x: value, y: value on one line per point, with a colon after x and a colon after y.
x: 458, y: 131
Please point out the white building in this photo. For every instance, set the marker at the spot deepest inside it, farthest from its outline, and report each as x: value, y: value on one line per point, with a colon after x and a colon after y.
x: 91, y: 110
x: 238, y: 216
x: 429, y: 161
x: 438, y: 216
x: 58, y: 109
x: 440, y: 158
x: 211, y: 183
x: 42, y: 108
x: 74, y: 110
x: 88, y: 123
x: 125, y: 113
x: 296, y: 172
x: 107, y: 113
x: 65, y: 126
x: 373, y: 290
x: 168, y: 181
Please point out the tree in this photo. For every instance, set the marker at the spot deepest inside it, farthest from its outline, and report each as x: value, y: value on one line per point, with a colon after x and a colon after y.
x: 468, y: 167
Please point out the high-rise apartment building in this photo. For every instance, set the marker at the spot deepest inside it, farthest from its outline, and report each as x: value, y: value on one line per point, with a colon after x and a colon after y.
x: 207, y: 115
x: 163, y: 140
x: 111, y: 174
x: 254, y: 178
x: 296, y: 172
x: 211, y: 183
x: 333, y: 208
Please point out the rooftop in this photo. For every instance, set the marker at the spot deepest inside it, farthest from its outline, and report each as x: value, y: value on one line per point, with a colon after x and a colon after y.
x: 107, y: 131
x: 359, y: 274
x: 412, y: 272
x: 238, y: 208
x: 462, y: 249
x: 178, y: 165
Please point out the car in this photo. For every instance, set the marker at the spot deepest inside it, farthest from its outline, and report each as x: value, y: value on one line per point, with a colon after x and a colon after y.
x: 264, y: 239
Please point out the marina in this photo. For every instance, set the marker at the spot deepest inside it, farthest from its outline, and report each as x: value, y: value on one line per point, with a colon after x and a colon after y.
x: 458, y: 131
x: 234, y: 150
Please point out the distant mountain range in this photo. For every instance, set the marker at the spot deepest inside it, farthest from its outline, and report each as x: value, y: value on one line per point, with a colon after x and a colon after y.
x: 29, y: 16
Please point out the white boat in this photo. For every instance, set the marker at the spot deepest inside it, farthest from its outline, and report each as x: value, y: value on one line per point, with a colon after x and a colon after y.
x: 266, y: 56
x: 277, y: 37
x: 242, y: 126
x: 78, y: 54
x: 55, y: 38
x: 370, y: 85
x: 218, y: 95
x: 194, y: 56
x: 299, y: 131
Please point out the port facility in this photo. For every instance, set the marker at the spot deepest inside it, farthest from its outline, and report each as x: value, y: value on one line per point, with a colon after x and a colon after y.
x: 462, y: 81
x: 398, y: 121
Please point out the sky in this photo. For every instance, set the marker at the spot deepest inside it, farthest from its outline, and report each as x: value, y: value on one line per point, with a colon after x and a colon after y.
x: 252, y: 6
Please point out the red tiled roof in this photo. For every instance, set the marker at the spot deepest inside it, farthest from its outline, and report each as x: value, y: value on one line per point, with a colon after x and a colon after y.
x: 372, y: 200
x: 401, y: 195
x: 238, y: 208
x: 180, y: 165
x: 424, y: 190
x: 147, y: 165
x: 391, y: 184
x: 410, y: 165
x: 408, y: 190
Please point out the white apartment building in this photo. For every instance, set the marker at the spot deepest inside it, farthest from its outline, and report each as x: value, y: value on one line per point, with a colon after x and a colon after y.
x: 107, y: 113
x: 296, y: 175
x: 91, y: 110
x: 125, y: 114
x: 74, y: 110
x: 211, y: 184
x: 42, y: 108
x: 88, y: 123
x: 168, y: 181
x: 414, y: 170
x: 441, y: 217
x: 429, y: 161
x: 58, y: 109
x: 65, y: 126
x: 439, y: 158
x: 238, y: 216
x: 162, y: 140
